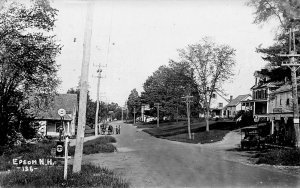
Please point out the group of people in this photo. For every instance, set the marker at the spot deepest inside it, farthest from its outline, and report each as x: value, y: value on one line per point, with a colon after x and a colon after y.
x: 118, y: 129
x: 109, y: 129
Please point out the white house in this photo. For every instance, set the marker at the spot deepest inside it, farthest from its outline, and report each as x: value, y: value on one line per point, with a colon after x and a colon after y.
x: 235, y: 105
x: 218, y: 102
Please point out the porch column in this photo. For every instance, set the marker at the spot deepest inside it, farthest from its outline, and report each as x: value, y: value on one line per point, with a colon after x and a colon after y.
x: 272, y: 126
x: 254, y: 108
x: 68, y: 129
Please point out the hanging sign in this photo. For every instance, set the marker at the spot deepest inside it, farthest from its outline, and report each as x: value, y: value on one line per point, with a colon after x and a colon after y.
x: 61, y: 112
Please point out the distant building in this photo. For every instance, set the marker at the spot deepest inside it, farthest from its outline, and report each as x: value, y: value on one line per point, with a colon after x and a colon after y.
x: 236, y: 105
x: 50, y: 121
x: 218, y: 102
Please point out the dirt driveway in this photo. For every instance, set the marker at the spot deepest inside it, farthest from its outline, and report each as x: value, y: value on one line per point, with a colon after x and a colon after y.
x: 150, y: 162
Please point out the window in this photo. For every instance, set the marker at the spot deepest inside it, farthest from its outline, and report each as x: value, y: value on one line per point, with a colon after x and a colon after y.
x: 266, y: 94
x: 280, y: 101
x: 214, y: 96
x: 221, y: 105
x: 57, y: 126
x: 287, y: 102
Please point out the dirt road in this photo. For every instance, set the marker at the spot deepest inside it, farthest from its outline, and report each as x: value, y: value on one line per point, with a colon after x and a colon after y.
x: 150, y: 162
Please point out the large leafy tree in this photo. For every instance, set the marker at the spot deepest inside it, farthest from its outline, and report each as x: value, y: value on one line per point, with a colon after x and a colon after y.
x: 287, y: 13
x: 166, y: 86
x: 27, y: 62
x: 213, y: 65
x: 282, y: 10
x: 134, y: 101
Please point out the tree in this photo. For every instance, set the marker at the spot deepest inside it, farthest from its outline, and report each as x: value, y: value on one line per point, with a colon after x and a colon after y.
x: 134, y: 102
x: 27, y: 61
x: 282, y: 10
x: 287, y: 12
x: 166, y: 86
x: 91, y: 107
x: 213, y: 65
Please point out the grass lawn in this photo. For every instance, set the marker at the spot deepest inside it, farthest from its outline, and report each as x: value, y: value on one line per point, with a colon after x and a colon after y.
x: 287, y: 157
x: 200, y: 137
x: 179, y: 131
x: 90, y: 176
x: 43, y: 150
x: 101, y: 144
x: 52, y: 176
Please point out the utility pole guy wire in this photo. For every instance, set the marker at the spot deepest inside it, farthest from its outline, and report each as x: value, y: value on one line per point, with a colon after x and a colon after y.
x: 83, y: 88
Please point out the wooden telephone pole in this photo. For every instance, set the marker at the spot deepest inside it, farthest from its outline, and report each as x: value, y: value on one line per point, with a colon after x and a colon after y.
x: 83, y: 88
x: 97, y: 107
x: 134, y: 112
x: 122, y: 114
x: 188, y: 101
x: 294, y: 66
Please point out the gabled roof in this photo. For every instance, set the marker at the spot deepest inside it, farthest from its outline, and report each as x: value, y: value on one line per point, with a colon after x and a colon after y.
x: 65, y: 101
x: 267, y: 85
x: 237, y: 100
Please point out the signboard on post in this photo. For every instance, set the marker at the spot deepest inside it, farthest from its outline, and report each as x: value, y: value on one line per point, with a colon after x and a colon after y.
x: 277, y: 110
x: 61, y: 112
x: 60, y: 149
x: 60, y: 145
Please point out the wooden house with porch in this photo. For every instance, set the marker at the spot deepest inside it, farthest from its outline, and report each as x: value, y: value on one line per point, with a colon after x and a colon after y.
x: 50, y: 121
x: 235, y: 105
x: 272, y: 104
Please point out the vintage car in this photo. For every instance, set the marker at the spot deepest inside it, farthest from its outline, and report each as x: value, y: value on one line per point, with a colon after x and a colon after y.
x: 251, y: 138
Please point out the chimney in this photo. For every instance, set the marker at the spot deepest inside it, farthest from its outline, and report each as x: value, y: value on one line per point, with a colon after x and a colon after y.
x: 230, y: 98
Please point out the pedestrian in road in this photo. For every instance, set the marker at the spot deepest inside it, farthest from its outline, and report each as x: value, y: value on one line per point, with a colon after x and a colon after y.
x: 117, y: 130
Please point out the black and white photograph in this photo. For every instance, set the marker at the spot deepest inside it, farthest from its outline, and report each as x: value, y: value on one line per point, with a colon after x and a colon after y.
x: 149, y: 93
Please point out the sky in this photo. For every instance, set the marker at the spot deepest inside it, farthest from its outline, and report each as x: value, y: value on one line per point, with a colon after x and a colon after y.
x: 132, y: 38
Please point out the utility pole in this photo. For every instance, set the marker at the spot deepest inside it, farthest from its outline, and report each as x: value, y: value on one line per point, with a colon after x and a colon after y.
x: 134, y: 112
x: 122, y: 113
x: 294, y: 66
x: 83, y: 88
x: 188, y: 101
x: 126, y: 108
x: 157, y: 107
x: 97, y: 107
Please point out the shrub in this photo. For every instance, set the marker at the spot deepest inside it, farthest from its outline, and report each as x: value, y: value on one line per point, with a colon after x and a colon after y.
x: 288, y: 157
x: 90, y: 176
x: 99, y: 145
x: 247, y: 118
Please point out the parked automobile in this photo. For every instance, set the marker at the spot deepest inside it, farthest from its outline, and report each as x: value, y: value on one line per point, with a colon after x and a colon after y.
x: 216, y: 118
x: 149, y: 119
x: 251, y: 138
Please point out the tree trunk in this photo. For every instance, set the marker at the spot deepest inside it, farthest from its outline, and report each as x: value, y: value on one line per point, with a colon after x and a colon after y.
x: 3, y: 129
x: 207, y: 119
